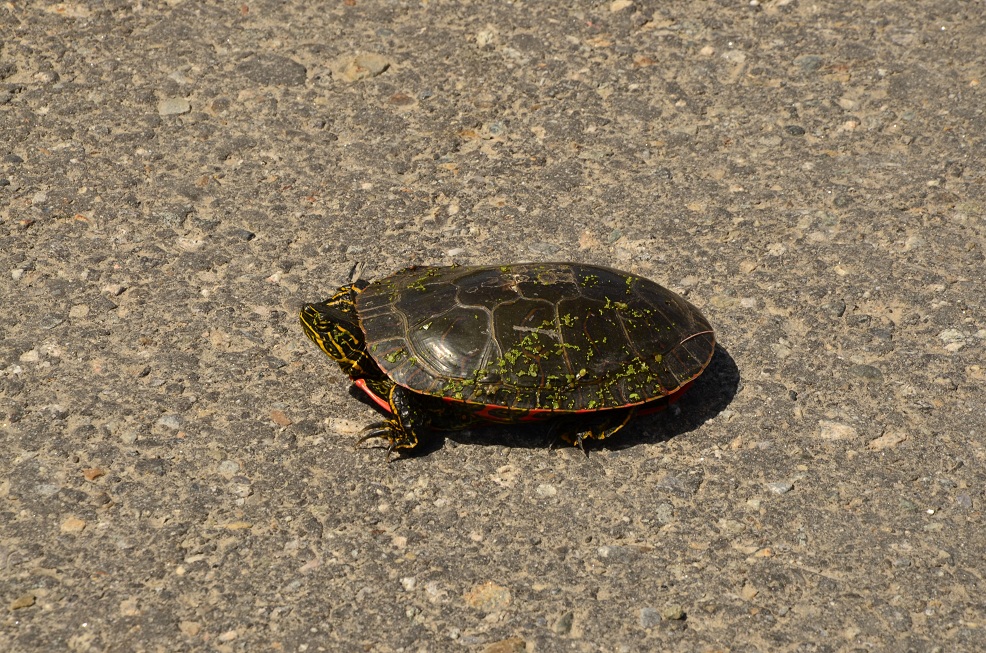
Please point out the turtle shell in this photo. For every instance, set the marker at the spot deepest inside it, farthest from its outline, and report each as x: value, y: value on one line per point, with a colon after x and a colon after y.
x: 534, y: 337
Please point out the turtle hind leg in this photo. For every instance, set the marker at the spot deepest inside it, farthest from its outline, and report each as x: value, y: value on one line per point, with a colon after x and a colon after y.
x: 577, y: 430
x: 401, y: 430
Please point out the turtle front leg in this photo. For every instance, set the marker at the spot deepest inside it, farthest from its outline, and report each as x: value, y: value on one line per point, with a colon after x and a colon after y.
x: 401, y: 430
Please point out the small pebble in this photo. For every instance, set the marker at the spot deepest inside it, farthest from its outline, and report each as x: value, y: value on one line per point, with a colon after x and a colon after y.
x: 92, y: 473
x: 809, y: 62
x: 189, y: 628
x: 228, y: 469
x: 240, y: 233
x: 615, y: 554
x: 51, y: 321
x: 780, y: 487
x: 23, y: 601
x: 30, y: 356
x: 174, y: 106
x: 510, y: 645
x: 362, y: 66
x: 169, y: 421
x: 673, y: 612
x: 664, y: 513
x: 953, y: 339
x: 280, y: 418
x: 867, y: 372
x: 546, y: 249
x: 649, y: 617
x: 485, y: 37
x: 564, y: 624
x: 73, y: 526
x: 828, y: 430
x: 835, y: 308
x: 887, y: 440
x: 488, y: 597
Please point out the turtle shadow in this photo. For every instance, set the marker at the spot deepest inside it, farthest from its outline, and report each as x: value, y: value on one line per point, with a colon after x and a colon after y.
x: 709, y: 395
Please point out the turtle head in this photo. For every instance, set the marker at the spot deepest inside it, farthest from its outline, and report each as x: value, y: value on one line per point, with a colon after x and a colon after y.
x: 334, y: 326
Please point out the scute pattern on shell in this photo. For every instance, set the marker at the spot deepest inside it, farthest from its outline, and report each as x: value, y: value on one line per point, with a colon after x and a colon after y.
x: 546, y: 336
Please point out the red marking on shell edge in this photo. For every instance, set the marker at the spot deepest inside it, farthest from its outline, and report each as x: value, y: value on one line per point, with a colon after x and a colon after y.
x: 498, y: 414
x: 494, y: 413
x: 377, y: 399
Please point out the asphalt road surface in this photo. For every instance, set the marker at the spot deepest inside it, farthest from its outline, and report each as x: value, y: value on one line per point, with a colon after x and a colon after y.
x: 177, y: 470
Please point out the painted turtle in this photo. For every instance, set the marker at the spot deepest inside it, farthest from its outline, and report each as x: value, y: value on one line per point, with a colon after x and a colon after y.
x: 449, y: 347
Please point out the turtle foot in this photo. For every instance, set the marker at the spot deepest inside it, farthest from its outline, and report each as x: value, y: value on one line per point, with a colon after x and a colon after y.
x: 390, y: 430
x: 601, y: 427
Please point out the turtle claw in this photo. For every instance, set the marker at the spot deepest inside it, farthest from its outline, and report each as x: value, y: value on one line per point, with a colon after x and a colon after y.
x: 580, y: 443
x: 377, y: 430
x: 599, y: 428
x: 389, y: 430
x: 574, y: 440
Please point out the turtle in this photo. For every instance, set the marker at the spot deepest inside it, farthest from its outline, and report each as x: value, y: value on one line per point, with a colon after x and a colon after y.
x: 450, y: 347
